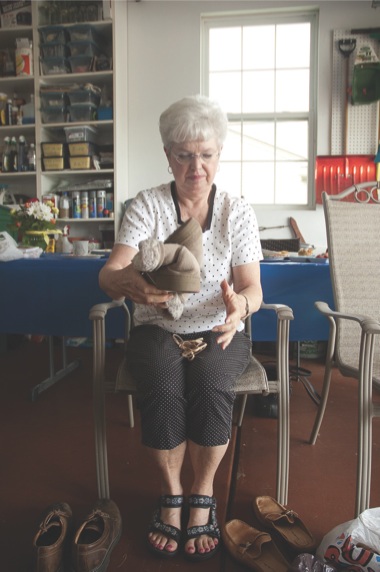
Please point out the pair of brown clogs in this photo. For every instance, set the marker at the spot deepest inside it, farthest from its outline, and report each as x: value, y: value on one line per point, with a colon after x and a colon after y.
x: 257, y: 549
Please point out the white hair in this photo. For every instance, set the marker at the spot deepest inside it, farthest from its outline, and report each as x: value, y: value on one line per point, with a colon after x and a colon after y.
x: 193, y: 118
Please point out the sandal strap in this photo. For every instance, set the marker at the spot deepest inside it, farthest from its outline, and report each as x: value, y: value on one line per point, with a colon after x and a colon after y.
x: 157, y: 525
x: 202, y: 501
x: 207, y: 529
x: 174, y: 501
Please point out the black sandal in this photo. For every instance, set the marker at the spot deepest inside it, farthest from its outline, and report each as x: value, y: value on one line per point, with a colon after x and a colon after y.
x: 157, y: 525
x: 209, y: 529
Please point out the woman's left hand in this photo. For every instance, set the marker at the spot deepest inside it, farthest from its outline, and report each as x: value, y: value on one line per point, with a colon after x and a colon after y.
x: 233, y: 318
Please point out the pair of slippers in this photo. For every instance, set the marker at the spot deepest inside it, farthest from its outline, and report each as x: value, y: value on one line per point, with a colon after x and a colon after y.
x: 210, y: 529
x: 256, y: 549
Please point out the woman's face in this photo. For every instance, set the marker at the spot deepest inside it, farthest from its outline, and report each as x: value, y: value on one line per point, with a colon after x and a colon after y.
x: 194, y: 165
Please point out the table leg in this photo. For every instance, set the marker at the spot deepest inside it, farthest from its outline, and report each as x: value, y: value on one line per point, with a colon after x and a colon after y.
x: 54, y: 375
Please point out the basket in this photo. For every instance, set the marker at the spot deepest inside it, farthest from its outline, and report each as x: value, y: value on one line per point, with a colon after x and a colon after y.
x: 279, y: 244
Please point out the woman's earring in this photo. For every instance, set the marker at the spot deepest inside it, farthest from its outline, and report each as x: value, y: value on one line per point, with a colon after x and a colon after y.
x: 170, y: 170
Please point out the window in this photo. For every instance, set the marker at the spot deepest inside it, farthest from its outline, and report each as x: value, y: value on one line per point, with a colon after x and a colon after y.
x: 261, y: 67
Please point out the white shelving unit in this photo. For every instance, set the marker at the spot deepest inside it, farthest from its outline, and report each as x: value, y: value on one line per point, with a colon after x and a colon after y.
x: 109, y: 132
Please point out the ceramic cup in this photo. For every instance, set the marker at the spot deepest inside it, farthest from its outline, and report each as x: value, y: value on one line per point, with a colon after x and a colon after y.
x: 80, y: 247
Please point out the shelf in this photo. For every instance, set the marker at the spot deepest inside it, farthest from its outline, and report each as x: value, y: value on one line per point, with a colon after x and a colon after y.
x: 86, y: 220
x: 76, y: 172
x: 65, y: 78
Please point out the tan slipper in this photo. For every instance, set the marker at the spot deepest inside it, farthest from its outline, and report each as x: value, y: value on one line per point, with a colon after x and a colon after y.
x: 253, y: 548
x: 284, y: 522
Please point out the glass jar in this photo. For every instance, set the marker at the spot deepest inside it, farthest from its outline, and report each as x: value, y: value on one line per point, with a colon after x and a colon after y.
x: 36, y: 238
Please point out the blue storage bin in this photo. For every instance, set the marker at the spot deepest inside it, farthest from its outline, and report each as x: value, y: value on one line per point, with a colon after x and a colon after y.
x: 51, y: 34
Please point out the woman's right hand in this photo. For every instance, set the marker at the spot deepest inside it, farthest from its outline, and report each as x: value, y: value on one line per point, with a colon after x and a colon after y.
x: 119, y: 279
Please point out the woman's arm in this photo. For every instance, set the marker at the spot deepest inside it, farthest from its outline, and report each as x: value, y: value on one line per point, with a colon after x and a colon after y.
x: 246, y: 280
x: 119, y: 279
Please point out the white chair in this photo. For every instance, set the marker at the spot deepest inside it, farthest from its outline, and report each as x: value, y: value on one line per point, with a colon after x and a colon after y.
x: 353, y: 347
x: 253, y: 380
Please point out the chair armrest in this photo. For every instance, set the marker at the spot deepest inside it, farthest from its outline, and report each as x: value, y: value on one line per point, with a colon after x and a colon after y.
x: 99, y: 311
x: 283, y: 312
x: 369, y: 324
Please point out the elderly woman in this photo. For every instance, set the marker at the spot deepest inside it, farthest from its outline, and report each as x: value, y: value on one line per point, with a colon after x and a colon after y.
x: 187, y: 403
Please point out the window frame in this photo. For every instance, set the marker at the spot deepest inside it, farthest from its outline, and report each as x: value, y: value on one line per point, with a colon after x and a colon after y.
x: 273, y: 17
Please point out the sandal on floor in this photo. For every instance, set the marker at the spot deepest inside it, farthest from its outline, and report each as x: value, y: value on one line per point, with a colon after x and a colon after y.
x: 157, y: 525
x: 253, y: 548
x: 209, y: 529
x: 284, y: 524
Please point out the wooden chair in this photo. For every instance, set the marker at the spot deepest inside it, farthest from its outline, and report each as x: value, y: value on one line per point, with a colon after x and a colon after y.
x: 253, y: 380
x: 353, y: 347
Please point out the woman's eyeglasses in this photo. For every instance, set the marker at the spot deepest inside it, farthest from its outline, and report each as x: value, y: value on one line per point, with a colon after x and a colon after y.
x: 187, y: 158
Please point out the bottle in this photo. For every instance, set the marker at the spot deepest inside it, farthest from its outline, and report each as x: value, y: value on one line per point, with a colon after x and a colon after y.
x: 84, y: 204
x: 76, y: 205
x: 100, y: 203
x: 21, y: 154
x: 64, y: 206
x: 8, y: 112
x: 13, y: 155
x: 92, y: 204
x: 6, y: 155
x: 28, y: 113
x: 31, y: 157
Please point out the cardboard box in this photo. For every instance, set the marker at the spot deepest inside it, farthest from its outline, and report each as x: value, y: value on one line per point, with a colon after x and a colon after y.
x: 24, y: 57
x: 14, y: 14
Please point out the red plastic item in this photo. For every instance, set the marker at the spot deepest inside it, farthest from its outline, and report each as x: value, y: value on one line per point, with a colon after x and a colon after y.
x: 335, y: 173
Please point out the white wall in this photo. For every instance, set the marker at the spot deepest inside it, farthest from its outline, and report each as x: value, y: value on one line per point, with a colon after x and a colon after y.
x: 163, y: 65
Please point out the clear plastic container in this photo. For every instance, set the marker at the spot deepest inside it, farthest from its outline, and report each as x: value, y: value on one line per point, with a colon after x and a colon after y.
x: 55, y: 65
x: 84, y: 49
x: 53, y: 99
x: 84, y: 96
x: 80, y: 133
x: 51, y: 34
x: 83, y: 112
x: 81, y: 64
x: 83, y: 33
x: 54, y: 115
x: 54, y: 50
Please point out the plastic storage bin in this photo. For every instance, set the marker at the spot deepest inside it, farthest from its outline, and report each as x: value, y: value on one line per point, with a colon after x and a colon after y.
x: 51, y: 34
x: 80, y: 133
x: 55, y: 66
x: 54, y: 163
x: 54, y: 50
x: 53, y: 99
x: 54, y: 115
x: 80, y: 162
x: 81, y: 148
x: 53, y: 149
x: 81, y: 64
x: 84, y: 96
x: 83, y: 112
x: 84, y: 49
x: 83, y: 33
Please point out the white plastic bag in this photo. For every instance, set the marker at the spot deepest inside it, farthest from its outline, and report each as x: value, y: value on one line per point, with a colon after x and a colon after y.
x: 8, y: 248
x: 354, y: 545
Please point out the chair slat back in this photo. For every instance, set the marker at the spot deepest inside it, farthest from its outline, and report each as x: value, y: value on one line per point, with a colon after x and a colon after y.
x: 353, y: 231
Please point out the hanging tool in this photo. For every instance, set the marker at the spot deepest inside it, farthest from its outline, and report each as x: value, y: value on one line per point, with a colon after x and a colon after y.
x: 296, y: 230
x: 271, y: 227
x: 346, y: 47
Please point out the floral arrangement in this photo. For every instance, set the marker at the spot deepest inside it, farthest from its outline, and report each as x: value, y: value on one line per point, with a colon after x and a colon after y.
x: 34, y: 216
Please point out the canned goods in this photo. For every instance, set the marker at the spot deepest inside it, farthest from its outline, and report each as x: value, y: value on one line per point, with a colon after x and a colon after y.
x: 100, y: 203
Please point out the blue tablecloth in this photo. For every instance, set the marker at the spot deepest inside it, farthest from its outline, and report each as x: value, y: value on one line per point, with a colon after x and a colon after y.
x: 52, y: 295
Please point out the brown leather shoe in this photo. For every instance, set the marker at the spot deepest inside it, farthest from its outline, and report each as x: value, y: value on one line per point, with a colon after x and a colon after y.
x: 49, y: 542
x: 96, y: 538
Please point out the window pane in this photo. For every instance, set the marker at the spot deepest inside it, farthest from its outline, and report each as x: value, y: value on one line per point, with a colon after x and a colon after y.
x: 293, y: 45
x: 291, y: 183
x: 226, y: 88
x: 228, y: 178
x: 292, y: 140
x: 258, y: 183
x: 292, y: 90
x: 258, y: 141
x: 258, y: 92
x: 225, y: 49
x: 258, y: 47
x: 232, y: 145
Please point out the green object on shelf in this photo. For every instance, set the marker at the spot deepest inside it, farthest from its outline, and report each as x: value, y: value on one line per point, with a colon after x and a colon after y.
x: 5, y: 221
